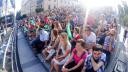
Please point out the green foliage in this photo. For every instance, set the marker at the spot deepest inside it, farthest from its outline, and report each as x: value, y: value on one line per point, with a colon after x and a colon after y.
x: 38, y: 10
x: 125, y: 20
x: 18, y: 15
x: 123, y: 13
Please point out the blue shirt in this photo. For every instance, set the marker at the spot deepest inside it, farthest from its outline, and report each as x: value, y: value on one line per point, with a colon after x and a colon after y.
x: 108, y: 41
x: 88, y: 64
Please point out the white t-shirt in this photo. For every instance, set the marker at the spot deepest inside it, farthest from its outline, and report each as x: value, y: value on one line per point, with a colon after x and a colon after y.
x: 44, y: 35
x: 91, y: 38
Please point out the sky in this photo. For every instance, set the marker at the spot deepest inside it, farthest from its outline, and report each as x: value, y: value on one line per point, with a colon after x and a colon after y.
x: 99, y: 3
x: 18, y: 4
x: 1, y: 2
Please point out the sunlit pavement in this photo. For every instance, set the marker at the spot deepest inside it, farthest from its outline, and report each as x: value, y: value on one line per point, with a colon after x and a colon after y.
x: 28, y: 61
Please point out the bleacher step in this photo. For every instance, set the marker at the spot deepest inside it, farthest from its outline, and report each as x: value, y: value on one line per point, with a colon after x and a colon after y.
x: 45, y: 64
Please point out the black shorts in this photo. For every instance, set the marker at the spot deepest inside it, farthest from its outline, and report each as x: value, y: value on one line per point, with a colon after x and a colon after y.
x: 72, y: 64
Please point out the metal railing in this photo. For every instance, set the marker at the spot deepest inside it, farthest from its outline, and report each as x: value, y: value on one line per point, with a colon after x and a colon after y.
x: 16, y: 66
x: 13, y: 53
x: 6, y: 50
x: 12, y: 49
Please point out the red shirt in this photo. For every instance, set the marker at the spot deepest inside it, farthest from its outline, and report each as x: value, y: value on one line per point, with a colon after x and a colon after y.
x: 77, y: 37
x: 78, y: 58
x: 46, y: 20
x: 31, y: 27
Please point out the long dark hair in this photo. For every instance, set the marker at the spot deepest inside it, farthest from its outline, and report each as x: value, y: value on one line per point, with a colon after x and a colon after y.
x: 55, y: 32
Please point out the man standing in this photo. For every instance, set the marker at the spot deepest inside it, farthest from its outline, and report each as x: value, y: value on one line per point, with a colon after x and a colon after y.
x: 90, y: 38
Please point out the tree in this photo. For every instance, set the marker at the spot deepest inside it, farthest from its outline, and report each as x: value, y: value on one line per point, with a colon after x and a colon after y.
x: 38, y: 10
x: 18, y: 15
x: 123, y: 13
x: 23, y: 16
x: 125, y: 20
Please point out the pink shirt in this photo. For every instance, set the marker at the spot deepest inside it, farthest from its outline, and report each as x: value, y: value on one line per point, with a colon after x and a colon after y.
x: 46, y: 20
x: 77, y: 58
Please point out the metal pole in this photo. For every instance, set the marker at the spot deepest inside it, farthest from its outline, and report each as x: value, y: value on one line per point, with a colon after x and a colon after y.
x: 30, y: 8
x: 57, y: 4
x: 5, y: 53
x: 6, y: 4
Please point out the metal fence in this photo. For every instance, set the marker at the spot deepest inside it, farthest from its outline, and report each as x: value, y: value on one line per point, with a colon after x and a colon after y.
x: 11, y: 62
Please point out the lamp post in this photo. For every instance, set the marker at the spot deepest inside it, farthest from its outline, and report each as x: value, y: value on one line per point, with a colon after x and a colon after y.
x: 6, y: 4
x: 30, y: 8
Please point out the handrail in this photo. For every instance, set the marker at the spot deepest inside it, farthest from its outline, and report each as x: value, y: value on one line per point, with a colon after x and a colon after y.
x: 15, y: 55
x: 12, y: 55
x: 5, y: 52
x: 13, y: 52
x: 12, y: 59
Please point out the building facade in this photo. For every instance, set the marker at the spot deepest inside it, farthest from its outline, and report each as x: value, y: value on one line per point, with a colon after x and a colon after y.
x: 39, y: 4
x: 51, y: 4
x: 30, y: 6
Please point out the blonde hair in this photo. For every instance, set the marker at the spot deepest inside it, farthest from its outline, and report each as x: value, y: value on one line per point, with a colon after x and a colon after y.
x: 65, y: 37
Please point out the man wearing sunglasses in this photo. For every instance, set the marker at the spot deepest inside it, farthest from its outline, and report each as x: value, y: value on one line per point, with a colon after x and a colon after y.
x: 95, y: 62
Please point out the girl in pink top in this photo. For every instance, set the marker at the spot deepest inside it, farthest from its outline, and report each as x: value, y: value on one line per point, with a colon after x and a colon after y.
x: 76, y: 60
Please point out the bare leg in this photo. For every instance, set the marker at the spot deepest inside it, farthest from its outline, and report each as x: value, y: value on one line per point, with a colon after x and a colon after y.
x: 56, y: 66
x: 44, y: 53
x: 52, y: 65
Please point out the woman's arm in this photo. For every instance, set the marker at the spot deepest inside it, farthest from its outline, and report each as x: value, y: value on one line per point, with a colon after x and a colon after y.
x: 57, y: 52
x: 66, y: 54
x: 68, y: 61
x: 51, y: 38
x: 37, y: 32
x: 56, y: 43
x: 60, y: 27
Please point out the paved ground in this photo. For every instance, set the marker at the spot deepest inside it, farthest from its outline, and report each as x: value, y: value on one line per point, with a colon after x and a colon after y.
x: 28, y: 61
